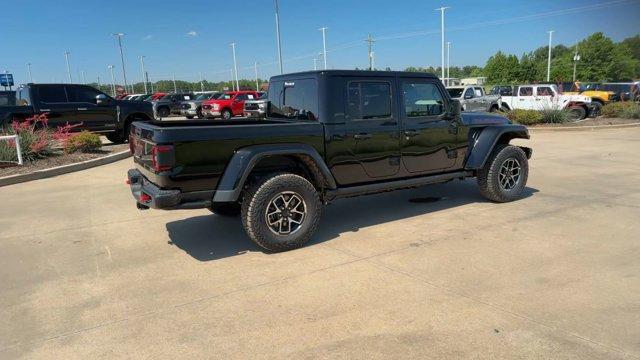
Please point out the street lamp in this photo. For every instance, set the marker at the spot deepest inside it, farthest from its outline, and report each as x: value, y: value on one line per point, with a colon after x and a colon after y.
x: 576, y: 58
x: 124, y: 72
x: 324, y: 46
x: 144, y: 80
x: 448, y: 62
x: 442, y: 9
x: 30, y: 76
x: 235, y: 65
x: 113, y: 81
x: 278, y: 36
x: 549, y: 56
x: 66, y: 57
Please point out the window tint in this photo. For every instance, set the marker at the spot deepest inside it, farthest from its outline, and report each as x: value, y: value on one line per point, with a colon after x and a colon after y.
x: 455, y: 92
x: 52, y: 94
x: 544, y: 91
x: 525, y: 91
x: 82, y: 94
x: 369, y: 100
x: 297, y: 99
x: 468, y: 93
x: 478, y: 91
x: 422, y: 99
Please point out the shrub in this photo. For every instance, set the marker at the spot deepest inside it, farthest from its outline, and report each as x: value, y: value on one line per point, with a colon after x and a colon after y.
x: 613, y: 110
x: 83, y: 141
x: 554, y: 116
x: 36, y: 140
x: 525, y: 117
x: 631, y: 111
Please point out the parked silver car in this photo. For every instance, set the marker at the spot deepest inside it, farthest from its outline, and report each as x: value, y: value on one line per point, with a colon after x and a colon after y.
x: 256, y: 108
x: 473, y: 98
x: 192, y: 108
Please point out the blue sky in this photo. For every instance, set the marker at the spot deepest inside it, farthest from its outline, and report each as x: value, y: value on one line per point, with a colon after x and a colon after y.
x: 194, y: 38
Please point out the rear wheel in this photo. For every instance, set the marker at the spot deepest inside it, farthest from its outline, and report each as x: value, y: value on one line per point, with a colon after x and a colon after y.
x: 577, y: 113
x: 226, y: 114
x: 199, y: 113
x: 597, y: 107
x: 494, y: 109
x: 163, y: 112
x: 505, y: 174
x: 121, y: 136
x: 281, y: 212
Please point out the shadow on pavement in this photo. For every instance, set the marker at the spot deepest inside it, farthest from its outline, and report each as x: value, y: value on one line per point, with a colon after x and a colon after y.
x: 212, y: 237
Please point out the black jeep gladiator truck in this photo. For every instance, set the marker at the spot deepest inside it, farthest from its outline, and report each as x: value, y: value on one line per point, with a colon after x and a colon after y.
x: 327, y: 135
x: 80, y: 105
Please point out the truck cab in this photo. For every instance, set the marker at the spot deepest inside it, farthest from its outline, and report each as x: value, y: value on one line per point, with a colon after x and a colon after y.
x: 473, y: 98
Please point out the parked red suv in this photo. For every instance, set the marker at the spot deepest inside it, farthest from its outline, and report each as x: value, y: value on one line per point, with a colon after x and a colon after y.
x: 228, y: 105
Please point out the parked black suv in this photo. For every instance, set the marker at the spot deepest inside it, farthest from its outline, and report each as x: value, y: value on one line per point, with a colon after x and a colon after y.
x: 327, y: 135
x: 80, y: 105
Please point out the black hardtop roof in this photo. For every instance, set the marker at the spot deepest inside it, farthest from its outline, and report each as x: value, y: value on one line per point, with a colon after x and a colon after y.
x: 361, y: 73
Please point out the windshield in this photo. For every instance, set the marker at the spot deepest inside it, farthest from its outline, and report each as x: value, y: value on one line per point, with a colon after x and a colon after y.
x: 166, y: 97
x: 455, y: 92
x: 204, y: 97
x: 226, y: 97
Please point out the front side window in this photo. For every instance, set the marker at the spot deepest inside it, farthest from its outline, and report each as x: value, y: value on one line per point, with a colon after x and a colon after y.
x: 52, y: 94
x: 544, y: 91
x: 525, y: 91
x: 468, y: 94
x: 422, y: 99
x: 82, y: 94
x: 294, y: 99
x: 226, y: 96
x: 478, y: 92
x: 369, y: 100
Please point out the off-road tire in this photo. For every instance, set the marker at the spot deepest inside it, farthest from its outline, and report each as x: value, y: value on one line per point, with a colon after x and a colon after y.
x: 597, y: 108
x: 256, y: 200
x: 577, y: 113
x: 120, y: 136
x: 225, y: 208
x: 163, y: 111
x: 189, y: 117
x: 489, y: 179
x: 226, y: 114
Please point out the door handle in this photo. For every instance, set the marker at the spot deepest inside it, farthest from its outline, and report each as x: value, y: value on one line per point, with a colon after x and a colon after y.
x: 362, y: 136
x: 411, y: 133
x: 82, y: 109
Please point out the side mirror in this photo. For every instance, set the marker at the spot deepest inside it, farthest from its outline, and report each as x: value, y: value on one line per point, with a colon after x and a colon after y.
x: 455, y: 109
x: 102, y: 100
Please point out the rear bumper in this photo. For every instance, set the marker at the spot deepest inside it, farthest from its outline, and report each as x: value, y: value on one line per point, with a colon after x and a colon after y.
x: 149, y: 195
x: 188, y: 112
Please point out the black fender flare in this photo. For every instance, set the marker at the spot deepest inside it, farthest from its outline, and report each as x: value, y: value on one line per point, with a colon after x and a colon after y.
x: 244, y: 160
x: 483, y: 141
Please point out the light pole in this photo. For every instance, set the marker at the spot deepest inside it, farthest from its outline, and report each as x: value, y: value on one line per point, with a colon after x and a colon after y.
x: 576, y: 58
x: 201, y: 84
x: 175, y: 88
x: 373, y: 60
x: 549, y: 56
x: 124, y: 72
x: 448, y: 62
x: 278, y: 36
x: 84, y: 81
x: 29, y: 69
x: 255, y: 68
x: 442, y: 9
x: 370, y: 41
x: 315, y: 63
x: 235, y: 65
x: 113, y: 81
x: 66, y: 57
x: 324, y: 46
x: 144, y: 80
x: 99, y: 83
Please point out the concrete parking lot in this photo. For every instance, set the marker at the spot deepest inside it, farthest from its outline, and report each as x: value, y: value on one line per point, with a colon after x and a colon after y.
x: 435, y: 272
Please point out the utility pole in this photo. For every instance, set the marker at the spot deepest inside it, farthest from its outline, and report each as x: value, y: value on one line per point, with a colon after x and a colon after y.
x: 175, y: 88
x: 324, y: 46
x: 201, y: 84
x: 549, y: 56
x: 278, y: 36
x: 124, y: 72
x: 84, y: 80
x: 373, y: 60
x: 66, y: 57
x: 235, y: 65
x: 99, y: 83
x: 113, y: 81
x: 255, y: 68
x: 29, y: 69
x: 442, y: 9
x: 315, y: 63
x: 144, y: 80
x: 370, y: 41
x: 448, y: 62
x: 576, y: 58
x: 150, y: 82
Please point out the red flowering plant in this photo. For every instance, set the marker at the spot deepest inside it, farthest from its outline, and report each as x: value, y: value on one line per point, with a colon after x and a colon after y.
x: 36, y: 139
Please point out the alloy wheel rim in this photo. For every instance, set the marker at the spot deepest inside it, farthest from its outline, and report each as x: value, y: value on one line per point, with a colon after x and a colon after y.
x: 509, y: 175
x: 285, y: 213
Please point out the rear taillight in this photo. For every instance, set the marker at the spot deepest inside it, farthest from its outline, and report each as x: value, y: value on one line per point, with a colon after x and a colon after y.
x: 162, y: 157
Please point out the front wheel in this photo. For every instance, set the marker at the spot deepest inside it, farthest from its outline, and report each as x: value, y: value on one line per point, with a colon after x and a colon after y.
x: 281, y: 212
x: 505, y: 174
x: 163, y: 112
x: 577, y: 113
x: 226, y: 114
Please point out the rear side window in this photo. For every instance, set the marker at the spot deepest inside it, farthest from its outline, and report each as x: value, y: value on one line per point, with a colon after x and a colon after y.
x: 369, y: 100
x: 52, y: 94
x: 422, y: 99
x: 525, y: 91
x: 544, y: 91
x: 294, y: 99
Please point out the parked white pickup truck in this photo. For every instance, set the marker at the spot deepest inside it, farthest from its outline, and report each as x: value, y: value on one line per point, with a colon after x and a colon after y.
x: 547, y: 97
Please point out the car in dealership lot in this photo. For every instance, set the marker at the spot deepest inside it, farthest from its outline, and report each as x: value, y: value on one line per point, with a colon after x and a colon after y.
x: 170, y: 104
x: 256, y: 108
x: 622, y: 90
x: 82, y: 106
x: 328, y: 134
x: 193, y: 108
x: 599, y: 96
x: 228, y: 105
x: 504, y: 90
x: 473, y: 98
x: 547, y: 97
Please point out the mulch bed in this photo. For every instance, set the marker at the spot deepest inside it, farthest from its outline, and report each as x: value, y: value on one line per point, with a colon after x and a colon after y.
x: 7, y: 169
x: 592, y: 122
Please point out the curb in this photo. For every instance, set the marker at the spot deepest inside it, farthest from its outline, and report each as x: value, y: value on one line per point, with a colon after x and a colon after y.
x: 64, y: 169
x: 584, y: 128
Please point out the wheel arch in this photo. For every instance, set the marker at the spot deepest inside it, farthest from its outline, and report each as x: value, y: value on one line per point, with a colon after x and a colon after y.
x: 297, y: 158
x: 484, y: 140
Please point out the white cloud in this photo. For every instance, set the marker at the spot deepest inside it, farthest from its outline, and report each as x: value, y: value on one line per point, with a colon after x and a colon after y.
x: 148, y: 37
x: 192, y: 33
